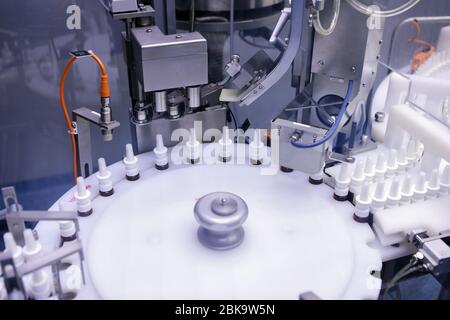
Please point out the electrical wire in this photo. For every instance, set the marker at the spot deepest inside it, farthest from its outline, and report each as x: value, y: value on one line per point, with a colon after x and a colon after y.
x: 67, y: 118
x: 334, y: 20
x: 104, y: 93
x: 369, y: 10
x: 408, y: 269
x: 231, y: 29
x: 335, y: 126
x: 420, y: 56
x: 192, y: 17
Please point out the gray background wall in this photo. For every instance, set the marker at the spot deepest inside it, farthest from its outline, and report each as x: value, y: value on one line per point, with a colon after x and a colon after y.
x: 35, y: 151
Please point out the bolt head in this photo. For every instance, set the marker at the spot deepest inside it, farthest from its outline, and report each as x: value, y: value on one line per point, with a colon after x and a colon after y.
x: 380, y: 116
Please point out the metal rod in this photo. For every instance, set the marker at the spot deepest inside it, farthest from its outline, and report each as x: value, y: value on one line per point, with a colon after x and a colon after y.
x: 231, y: 28
x: 192, y: 17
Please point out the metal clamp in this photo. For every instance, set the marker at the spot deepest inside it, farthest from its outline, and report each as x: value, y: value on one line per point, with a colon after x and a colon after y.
x: 341, y: 157
x: 435, y: 250
x: 84, y: 117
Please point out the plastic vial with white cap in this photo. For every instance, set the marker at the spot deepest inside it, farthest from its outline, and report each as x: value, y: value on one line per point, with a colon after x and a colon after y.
x: 225, y: 146
x: 379, y: 198
x: 40, y: 280
x: 395, y: 194
x: 83, y: 197
x: 357, y: 180
x: 131, y: 164
x: 105, y: 185
x: 380, y: 167
x: 32, y: 247
x: 392, y: 166
x: 255, y: 148
x: 407, y: 190
x: 40, y: 285
x: 15, y: 250
x: 433, y: 185
x: 342, y: 180
x: 362, y: 205
x: 420, y: 189
x: 193, y: 149
x: 160, y: 151
x: 369, y: 169
x: 445, y: 181
x: 317, y: 178
x: 67, y: 228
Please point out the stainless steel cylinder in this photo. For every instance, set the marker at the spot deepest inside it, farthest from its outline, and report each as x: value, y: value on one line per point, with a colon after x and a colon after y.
x: 174, y: 112
x: 106, y: 117
x: 105, y: 114
x: 194, y: 97
x: 141, y: 113
x: 220, y: 215
x: 161, y: 101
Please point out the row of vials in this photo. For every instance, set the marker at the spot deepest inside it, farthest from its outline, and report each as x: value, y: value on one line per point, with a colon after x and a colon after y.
x: 161, y: 161
x: 367, y: 188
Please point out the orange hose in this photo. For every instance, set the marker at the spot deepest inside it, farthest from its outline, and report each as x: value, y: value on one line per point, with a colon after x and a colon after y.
x: 104, y: 86
x: 66, y: 116
x: 416, y: 39
x: 104, y: 93
x: 420, y: 56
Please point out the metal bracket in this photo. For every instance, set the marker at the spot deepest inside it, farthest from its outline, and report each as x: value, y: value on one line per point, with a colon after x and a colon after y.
x: 340, y: 157
x: 10, y: 199
x: 309, y: 160
x: 84, y: 117
x: 13, y: 208
x: 144, y: 11
x: 435, y: 250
